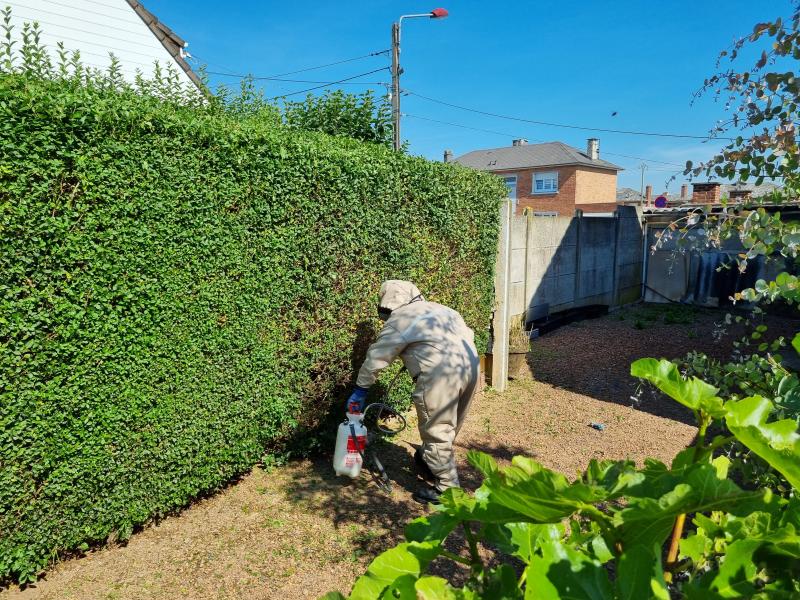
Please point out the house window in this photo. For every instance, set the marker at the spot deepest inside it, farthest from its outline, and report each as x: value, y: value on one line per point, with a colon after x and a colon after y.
x: 511, y: 184
x: 545, y: 183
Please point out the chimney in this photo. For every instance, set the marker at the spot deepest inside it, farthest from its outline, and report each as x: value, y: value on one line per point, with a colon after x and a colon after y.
x: 519, y: 142
x: 706, y: 193
x: 648, y: 195
x: 593, y: 148
x: 684, y: 191
x: 448, y: 156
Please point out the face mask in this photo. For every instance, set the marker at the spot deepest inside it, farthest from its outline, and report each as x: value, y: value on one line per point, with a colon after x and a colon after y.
x: 384, y: 313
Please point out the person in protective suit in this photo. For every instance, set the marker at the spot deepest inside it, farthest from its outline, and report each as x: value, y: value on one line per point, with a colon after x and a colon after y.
x: 438, y: 350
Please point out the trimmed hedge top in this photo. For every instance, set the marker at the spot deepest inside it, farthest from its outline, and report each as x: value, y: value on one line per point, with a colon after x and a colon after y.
x: 182, y: 291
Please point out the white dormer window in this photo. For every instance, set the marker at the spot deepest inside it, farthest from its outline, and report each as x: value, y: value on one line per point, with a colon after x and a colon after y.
x: 545, y: 182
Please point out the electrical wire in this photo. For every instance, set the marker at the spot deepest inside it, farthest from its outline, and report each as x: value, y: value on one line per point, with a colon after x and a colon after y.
x: 563, y: 125
x: 299, y: 80
x: 338, y: 62
x: 511, y: 135
x: 329, y: 83
x: 277, y: 76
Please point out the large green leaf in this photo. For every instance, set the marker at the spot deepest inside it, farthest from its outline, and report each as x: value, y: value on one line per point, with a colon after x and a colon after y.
x: 648, y: 521
x: 402, y: 588
x: 640, y: 574
x: 433, y: 527
x: 409, y: 558
x: 692, y: 393
x: 796, y: 343
x: 434, y: 588
x: 735, y: 577
x: 536, y: 493
x: 563, y: 573
x: 615, y: 476
x: 485, y: 463
x: 521, y: 539
x: 778, y: 442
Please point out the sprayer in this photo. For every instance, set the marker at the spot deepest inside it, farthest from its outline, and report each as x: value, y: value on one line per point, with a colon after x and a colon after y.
x: 352, y: 439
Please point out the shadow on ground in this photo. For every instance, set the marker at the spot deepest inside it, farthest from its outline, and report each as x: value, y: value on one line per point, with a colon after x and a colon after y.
x: 361, y: 502
x: 593, y: 357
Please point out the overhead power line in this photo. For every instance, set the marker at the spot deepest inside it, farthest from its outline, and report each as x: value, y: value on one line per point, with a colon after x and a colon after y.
x: 330, y: 83
x: 516, y: 135
x: 338, y: 62
x: 281, y: 79
x: 563, y: 125
x: 277, y: 76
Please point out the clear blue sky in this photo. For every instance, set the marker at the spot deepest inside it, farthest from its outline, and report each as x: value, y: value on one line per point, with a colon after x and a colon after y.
x: 572, y: 62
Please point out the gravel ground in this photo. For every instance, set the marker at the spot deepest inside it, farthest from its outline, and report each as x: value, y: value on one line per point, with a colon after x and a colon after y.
x: 298, y: 531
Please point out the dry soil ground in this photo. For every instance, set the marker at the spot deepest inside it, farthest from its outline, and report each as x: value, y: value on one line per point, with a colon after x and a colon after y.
x: 298, y: 531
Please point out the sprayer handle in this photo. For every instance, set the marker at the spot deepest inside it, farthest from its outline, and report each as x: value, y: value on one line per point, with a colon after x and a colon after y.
x: 355, y: 403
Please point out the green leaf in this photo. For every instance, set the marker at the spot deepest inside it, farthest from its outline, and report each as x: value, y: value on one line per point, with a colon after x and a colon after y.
x: 402, y: 588
x: 778, y: 442
x: 434, y: 527
x: 692, y: 393
x: 409, y: 558
x: 735, y: 577
x: 501, y: 584
x: 640, y: 574
x: 796, y: 343
x: 333, y: 596
x: 562, y: 573
x: 695, y: 547
x: 648, y: 521
x: 530, y: 492
x: 434, y: 588
x: 521, y: 539
x: 483, y: 462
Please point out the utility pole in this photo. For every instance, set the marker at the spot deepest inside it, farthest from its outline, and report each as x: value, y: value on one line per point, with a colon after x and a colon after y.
x: 436, y: 13
x: 643, y: 167
x: 396, y: 85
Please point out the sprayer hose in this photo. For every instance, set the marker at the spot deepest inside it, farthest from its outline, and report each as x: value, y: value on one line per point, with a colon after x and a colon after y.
x: 385, y: 407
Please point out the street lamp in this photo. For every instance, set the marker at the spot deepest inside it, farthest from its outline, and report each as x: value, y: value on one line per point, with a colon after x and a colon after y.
x: 436, y: 13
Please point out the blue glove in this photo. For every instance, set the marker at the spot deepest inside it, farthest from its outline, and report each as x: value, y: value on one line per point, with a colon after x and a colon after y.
x: 355, y: 403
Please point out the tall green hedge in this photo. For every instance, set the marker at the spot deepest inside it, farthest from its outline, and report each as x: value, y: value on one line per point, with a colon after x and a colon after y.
x: 182, y: 289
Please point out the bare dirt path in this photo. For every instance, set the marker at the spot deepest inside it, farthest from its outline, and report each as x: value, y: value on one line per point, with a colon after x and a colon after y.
x: 298, y: 531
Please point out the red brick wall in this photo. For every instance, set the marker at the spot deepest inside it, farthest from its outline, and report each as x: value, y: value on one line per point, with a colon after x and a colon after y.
x: 563, y: 201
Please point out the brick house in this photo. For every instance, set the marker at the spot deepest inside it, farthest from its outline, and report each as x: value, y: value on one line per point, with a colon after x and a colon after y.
x: 550, y: 178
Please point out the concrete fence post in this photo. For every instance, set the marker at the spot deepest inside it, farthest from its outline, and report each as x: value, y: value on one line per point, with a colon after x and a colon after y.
x: 529, y: 260
x: 578, y: 219
x: 502, y: 285
x: 615, y: 267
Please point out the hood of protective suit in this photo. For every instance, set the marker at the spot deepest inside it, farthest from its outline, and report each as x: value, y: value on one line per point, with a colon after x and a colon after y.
x: 396, y: 293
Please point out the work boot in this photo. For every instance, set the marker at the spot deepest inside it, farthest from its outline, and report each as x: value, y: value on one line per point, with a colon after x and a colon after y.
x: 427, y: 495
x: 422, y: 467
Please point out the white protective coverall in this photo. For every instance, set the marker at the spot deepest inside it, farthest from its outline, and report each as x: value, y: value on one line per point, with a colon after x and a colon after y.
x: 438, y: 350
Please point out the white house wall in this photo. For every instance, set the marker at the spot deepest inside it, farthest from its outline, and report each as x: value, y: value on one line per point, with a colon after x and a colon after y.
x: 95, y: 28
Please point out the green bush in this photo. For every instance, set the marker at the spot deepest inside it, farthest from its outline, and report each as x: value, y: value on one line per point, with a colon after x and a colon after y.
x: 183, y: 288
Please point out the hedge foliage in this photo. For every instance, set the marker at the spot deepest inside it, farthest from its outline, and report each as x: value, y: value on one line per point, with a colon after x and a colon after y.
x: 182, y: 291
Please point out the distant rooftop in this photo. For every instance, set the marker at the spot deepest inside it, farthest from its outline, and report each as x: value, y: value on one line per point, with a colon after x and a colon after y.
x: 549, y: 154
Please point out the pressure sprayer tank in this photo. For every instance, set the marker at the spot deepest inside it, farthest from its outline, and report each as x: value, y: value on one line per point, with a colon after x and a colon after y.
x: 347, y: 455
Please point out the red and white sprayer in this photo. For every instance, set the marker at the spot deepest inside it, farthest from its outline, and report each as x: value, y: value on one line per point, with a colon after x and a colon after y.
x: 352, y: 439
